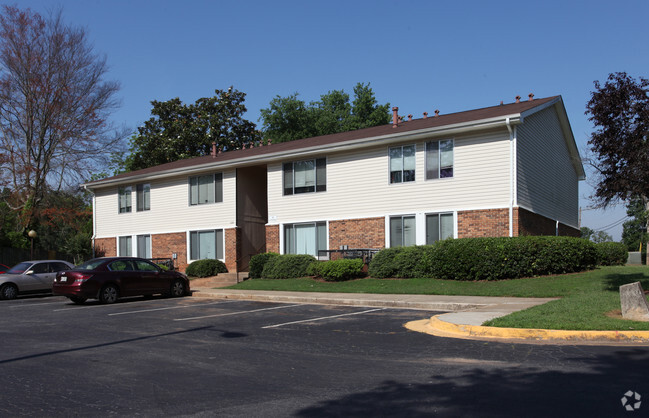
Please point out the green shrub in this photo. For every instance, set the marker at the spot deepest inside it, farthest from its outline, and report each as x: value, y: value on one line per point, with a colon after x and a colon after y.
x: 205, y: 268
x: 257, y: 263
x: 287, y: 266
x: 487, y: 258
x: 337, y: 270
x: 612, y: 253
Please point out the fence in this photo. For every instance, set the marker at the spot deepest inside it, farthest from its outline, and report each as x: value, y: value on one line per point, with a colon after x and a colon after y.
x: 12, y: 256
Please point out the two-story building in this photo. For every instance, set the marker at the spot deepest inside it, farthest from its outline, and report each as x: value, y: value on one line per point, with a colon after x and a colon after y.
x: 505, y: 170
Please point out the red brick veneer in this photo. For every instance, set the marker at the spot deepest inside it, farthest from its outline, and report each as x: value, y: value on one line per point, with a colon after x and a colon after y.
x: 357, y: 233
x: 272, y: 238
x: 165, y: 245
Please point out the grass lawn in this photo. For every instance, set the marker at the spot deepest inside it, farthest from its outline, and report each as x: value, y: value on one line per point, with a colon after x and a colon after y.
x: 587, y: 297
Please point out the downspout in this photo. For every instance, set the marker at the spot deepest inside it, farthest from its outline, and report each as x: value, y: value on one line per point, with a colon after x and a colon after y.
x: 94, y: 223
x: 512, y: 178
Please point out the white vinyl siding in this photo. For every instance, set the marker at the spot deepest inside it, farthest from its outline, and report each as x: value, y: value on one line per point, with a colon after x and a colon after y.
x: 547, y: 182
x: 169, y: 211
x: 358, y: 187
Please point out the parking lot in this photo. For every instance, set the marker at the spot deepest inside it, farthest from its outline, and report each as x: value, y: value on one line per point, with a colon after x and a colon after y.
x: 202, y: 357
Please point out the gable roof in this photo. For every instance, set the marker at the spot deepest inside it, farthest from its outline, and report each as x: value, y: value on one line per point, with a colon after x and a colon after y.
x: 494, y: 116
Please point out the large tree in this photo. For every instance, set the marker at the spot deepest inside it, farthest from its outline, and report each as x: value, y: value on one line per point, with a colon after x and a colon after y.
x: 177, y: 131
x: 619, y: 111
x: 54, y: 104
x: 634, y: 231
x: 289, y: 118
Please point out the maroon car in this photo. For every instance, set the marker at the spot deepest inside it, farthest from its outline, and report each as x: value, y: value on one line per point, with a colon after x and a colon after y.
x: 108, y: 279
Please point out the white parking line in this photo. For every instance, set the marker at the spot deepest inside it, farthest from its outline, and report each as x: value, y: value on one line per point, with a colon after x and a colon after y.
x: 27, y: 304
x: 236, y: 313
x: 322, y: 318
x: 171, y: 307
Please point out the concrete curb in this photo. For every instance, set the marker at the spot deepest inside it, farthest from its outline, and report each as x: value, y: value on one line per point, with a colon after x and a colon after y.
x: 438, y: 327
x: 366, y: 301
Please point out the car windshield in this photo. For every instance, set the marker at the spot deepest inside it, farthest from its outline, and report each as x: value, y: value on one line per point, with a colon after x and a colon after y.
x: 19, y: 268
x: 90, y: 265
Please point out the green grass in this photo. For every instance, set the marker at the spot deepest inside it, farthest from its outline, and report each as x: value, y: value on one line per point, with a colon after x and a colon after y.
x: 586, y: 297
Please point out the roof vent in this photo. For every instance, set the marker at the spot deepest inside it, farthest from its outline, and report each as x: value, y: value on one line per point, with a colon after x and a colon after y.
x: 410, y: 117
x: 518, y: 99
x: 395, y: 117
x: 436, y: 112
x: 531, y: 97
x: 213, y: 153
x: 425, y: 115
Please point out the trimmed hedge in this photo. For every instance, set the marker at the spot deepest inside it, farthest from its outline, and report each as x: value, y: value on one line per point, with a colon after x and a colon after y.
x: 612, y: 253
x: 337, y: 270
x: 257, y: 263
x: 205, y: 268
x: 486, y: 258
x: 287, y: 266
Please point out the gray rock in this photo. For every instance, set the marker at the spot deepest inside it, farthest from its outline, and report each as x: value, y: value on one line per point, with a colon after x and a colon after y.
x: 634, y: 303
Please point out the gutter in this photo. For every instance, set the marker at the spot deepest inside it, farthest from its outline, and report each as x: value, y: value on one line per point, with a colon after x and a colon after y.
x: 500, y: 121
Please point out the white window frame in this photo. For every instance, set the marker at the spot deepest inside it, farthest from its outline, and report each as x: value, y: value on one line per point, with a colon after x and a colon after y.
x: 217, y: 242
x: 149, y: 248
x: 124, y: 195
x: 284, y: 241
x: 319, y: 177
x: 143, y: 196
x: 217, y: 189
x: 439, y: 220
x: 402, y: 217
x: 403, y: 170
x: 439, y: 160
x: 119, y: 246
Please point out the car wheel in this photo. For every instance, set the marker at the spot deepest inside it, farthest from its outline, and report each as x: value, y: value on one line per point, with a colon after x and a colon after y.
x: 78, y: 299
x: 177, y: 288
x: 8, y: 291
x: 108, y: 294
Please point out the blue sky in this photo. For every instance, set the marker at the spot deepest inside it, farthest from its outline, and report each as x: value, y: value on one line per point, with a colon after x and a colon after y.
x: 418, y: 55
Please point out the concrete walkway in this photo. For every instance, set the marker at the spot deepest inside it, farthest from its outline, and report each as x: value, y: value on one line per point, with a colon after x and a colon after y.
x: 464, y: 318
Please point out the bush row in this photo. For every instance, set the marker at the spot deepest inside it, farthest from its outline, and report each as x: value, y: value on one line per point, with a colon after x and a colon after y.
x: 205, y: 268
x: 612, y: 253
x: 454, y: 259
x: 275, y: 266
x: 338, y: 270
x: 486, y: 258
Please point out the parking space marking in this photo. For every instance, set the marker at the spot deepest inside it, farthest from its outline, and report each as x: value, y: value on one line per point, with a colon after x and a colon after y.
x: 27, y: 304
x: 171, y: 307
x: 236, y: 313
x: 74, y: 307
x: 322, y: 318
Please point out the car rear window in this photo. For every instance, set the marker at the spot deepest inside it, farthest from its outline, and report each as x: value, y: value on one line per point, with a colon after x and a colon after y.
x: 89, y: 265
x: 19, y: 268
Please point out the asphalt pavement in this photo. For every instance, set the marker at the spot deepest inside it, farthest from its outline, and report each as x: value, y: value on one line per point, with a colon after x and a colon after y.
x: 463, y: 318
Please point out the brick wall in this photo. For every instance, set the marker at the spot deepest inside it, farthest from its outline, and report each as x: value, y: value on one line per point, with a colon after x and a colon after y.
x: 272, y: 238
x: 164, y: 245
x: 105, y: 247
x: 483, y: 223
x: 357, y: 233
x: 232, y: 249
